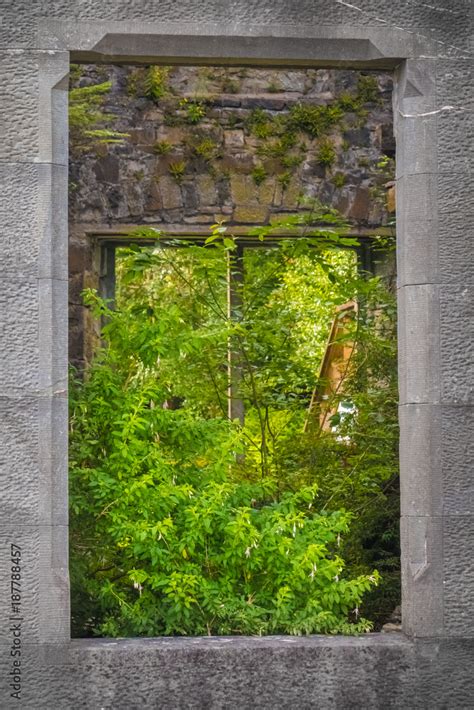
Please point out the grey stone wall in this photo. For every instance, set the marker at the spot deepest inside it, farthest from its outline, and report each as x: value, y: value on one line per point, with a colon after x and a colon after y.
x: 134, y: 182
x: 429, y: 47
x: 113, y: 187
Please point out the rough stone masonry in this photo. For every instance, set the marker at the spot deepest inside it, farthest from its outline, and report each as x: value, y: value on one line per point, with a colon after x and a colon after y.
x: 238, y: 164
x: 428, y: 48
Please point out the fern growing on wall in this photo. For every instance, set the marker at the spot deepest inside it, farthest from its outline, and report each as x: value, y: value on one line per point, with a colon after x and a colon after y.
x: 88, y: 122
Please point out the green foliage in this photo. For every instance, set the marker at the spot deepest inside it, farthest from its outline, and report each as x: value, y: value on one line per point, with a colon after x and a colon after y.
x: 177, y: 170
x: 184, y: 554
x: 316, y: 120
x: 361, y: 118
x: 339, y: 180
x: 326, y: 154
x: 207, y: 148
x: 278, y: 148
x: 184, y: 522
x: 367, y: 88
x: 195, y: 110
x: 134, y: 79
x: 349, y: 102
x: 86, y: 117
x: 259, y: 174
x: 155, y: 83
x: 75, y: 73
x: 291, y: 160
x: 284, y: 179
x: 162, y: 147
x: 260, y: 124
x: 263, y: 130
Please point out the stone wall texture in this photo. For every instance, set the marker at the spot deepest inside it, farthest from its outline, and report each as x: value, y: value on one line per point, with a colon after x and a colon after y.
x: 222, y: 143
x: 235, y: 132
x: 428, y: 47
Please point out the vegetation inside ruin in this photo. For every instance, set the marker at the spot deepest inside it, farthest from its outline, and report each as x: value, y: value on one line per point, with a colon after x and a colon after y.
x: 282, y: 140
x: 278, y: 516
x: 89, y: 124
x: 186, y: 521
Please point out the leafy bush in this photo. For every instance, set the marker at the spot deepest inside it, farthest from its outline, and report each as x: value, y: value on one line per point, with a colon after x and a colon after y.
x: 184, y: 522
x: 176, y: 552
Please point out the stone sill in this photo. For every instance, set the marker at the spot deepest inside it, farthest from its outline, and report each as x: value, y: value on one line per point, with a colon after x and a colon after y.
x: 170, y: 643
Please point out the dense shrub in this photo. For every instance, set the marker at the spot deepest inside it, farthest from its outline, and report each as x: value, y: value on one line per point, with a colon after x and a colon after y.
x: 184, y: 522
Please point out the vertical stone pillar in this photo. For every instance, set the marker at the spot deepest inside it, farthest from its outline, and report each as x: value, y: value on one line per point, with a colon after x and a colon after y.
x: 436, y: 332
x: 33, y: 354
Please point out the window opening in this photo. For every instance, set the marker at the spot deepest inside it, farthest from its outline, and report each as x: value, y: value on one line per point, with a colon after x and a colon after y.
x: 140, y: 473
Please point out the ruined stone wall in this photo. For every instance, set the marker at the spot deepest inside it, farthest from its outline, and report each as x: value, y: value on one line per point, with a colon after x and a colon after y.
x: 236, y: 144
x: 429, y: 48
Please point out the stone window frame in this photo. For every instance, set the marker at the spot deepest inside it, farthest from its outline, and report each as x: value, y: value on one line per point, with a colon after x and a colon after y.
x: 106, y: 242
x: 433, y: 658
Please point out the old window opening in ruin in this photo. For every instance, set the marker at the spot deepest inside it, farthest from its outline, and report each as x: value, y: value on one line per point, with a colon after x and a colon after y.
x: 338, y: 348
x: 192, y: 146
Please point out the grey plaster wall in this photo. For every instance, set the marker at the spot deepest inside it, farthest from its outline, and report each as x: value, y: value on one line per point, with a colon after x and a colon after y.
x: 428, y: 47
